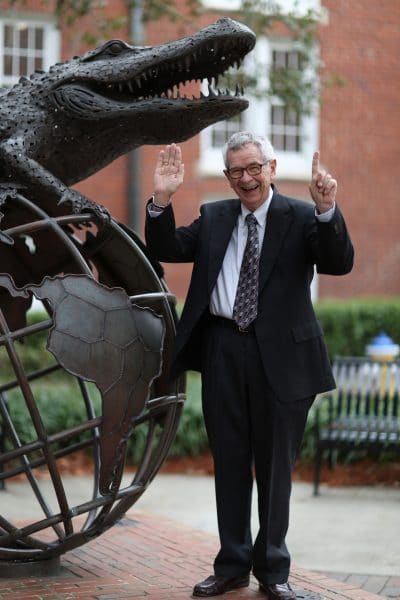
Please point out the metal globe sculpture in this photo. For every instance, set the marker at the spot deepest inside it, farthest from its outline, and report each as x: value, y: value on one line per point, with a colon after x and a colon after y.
x: 110, y: 320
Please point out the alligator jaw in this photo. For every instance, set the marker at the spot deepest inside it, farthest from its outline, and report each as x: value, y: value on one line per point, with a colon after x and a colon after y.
x: 157, y: 80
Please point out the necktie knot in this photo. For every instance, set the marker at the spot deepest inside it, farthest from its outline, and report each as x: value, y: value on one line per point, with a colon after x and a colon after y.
x: 251, y: 220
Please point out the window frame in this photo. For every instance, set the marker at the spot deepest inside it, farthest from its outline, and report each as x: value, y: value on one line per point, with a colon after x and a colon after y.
x: 291, y: 165
x: 51, y: 42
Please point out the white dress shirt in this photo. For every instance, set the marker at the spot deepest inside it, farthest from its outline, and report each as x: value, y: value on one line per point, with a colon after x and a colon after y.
x: 224, y: 292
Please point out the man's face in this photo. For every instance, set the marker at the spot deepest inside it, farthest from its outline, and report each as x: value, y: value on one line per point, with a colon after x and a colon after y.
x: 252, y: 190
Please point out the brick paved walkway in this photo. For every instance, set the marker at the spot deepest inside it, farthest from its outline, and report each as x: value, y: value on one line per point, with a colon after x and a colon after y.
x: 151, y: 558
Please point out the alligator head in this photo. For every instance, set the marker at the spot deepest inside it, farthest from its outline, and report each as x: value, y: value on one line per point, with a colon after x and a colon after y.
x: 137, y: 88
x: 61, y: 126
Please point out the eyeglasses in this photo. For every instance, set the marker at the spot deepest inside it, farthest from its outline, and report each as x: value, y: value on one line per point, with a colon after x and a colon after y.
x: 252, y: 169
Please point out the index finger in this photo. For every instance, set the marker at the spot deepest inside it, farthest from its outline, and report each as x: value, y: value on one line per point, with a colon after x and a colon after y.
x: 315, y: 164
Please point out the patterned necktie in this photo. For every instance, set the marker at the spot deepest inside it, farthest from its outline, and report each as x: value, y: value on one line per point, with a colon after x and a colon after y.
x: 245, y: 306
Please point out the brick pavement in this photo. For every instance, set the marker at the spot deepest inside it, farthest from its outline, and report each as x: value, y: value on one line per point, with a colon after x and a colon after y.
x: 146, y: 557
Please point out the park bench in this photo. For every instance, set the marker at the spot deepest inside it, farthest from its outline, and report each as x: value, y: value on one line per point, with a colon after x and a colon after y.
x: 362, y: 414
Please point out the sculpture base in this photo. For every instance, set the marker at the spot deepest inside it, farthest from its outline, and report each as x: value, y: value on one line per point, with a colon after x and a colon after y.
x: 29, y: 568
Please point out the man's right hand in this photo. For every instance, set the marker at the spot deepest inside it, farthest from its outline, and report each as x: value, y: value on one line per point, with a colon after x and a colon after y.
x: 168, y: 174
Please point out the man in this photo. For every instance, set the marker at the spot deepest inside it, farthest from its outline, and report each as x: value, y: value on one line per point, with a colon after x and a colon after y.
x: 262, y: 357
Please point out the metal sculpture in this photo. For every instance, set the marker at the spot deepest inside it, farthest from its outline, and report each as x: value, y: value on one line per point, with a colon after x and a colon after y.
x: 109, y: 314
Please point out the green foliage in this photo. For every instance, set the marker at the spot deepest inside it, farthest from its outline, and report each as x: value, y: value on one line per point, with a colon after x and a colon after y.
x: 191, y: 438
x: 349, y: 325
x: 60, y: 405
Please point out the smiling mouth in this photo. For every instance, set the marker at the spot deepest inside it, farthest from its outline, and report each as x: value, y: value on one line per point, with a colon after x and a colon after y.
x: 250, y: 189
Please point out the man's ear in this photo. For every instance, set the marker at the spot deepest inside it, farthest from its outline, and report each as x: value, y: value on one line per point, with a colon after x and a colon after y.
x: 272, y: 164
x: 227, y: 176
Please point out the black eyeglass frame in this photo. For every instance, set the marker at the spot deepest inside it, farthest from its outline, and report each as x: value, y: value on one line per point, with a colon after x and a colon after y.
x: 257, y: 166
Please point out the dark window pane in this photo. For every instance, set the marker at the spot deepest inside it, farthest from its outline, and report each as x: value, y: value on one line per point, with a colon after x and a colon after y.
x: 293, y: 60
x: 39, y: 38
x: 277, y: 115
x: 38, y: 63
x: 291, y: 143
x: 278, y: 142
x: 8, y: 36
x: 23, y: 37
x: 292, y: 118
x: 23, y: 65
x: 279, y: 58
x: 7, y: 64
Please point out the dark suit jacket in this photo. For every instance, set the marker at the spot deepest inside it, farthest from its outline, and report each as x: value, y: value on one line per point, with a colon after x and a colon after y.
x: 290, y: 337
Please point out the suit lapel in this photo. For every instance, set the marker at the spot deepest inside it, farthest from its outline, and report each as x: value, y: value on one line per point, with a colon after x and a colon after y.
x: 279, y: 219
x: 221, y: 230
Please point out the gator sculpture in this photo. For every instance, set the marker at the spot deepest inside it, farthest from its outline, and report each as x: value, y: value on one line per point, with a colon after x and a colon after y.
x: 112, y: 317
x: 59, y: 127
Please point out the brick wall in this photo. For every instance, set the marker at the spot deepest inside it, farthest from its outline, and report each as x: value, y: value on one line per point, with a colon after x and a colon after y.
x: 360, y: 130
x: 359, y: 142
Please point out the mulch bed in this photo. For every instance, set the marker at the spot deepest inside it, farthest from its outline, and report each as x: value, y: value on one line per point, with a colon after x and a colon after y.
x: 363, y: 472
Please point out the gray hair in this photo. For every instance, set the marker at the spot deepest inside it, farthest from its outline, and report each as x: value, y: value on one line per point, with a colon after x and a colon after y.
x: 239, y: 140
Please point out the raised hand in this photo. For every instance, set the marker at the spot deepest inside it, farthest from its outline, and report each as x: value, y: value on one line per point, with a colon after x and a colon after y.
x: 168, y: 174
x: 322, y: 187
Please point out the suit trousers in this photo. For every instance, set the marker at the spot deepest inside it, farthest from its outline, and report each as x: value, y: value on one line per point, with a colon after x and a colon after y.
x: 249, y: 430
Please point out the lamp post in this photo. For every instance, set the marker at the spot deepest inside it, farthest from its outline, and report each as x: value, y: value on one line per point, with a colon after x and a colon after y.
x: 134, y: 191
x: 382, y: 348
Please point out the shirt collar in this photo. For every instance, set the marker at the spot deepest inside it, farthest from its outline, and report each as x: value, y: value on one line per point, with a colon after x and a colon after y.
x: 261, y: 212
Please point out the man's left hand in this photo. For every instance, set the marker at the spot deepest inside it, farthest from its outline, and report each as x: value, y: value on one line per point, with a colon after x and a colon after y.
x: 322, y: 187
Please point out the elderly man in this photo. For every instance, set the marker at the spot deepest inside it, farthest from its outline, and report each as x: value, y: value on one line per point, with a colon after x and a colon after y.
x: 249, y: 327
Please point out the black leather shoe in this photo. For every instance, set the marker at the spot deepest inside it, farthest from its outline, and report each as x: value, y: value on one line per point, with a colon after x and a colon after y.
x: 216, y: 585
x: 278, y: 591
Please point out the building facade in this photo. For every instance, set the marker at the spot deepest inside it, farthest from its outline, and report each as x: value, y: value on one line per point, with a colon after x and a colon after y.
x: 356, y: 126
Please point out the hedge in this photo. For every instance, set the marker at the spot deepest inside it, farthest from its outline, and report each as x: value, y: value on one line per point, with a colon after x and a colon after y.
x: 348, y: 325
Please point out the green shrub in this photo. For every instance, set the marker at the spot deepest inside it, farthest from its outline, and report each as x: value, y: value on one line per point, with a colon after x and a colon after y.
x: 191, y: 437
x: 350, y: 325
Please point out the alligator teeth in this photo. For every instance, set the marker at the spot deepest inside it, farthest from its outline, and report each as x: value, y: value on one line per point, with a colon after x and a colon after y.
x: 211, y: 92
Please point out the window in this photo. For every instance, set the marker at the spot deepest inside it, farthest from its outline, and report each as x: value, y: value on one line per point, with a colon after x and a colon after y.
x: 285, y: 123
x: 222, y: 131
x: 26, y: 45
x: 294, y: 136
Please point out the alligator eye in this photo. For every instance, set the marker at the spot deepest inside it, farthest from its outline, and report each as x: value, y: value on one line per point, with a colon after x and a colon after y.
x: 115, y: 48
